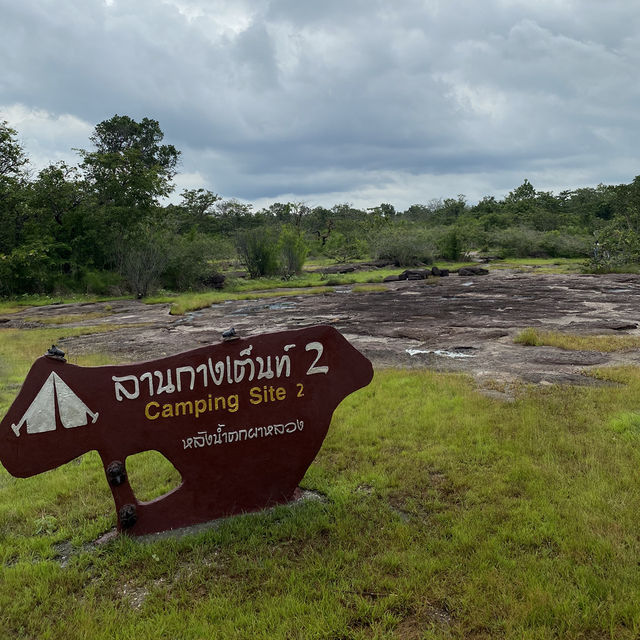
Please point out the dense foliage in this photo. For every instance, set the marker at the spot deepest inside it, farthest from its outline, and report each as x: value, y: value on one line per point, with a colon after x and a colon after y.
x: 102, y: 226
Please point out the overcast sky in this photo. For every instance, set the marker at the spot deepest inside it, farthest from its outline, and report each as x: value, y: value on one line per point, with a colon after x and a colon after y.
x: 330, y: 101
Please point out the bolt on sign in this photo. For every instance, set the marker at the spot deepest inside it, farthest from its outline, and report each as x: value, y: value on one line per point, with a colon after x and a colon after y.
x: 241, y: 421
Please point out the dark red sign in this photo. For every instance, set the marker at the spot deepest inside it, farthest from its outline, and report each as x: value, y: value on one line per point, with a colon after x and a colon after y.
x: 241, y: 421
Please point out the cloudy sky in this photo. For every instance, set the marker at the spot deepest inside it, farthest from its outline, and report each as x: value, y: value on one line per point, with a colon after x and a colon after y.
x: 328, y: 101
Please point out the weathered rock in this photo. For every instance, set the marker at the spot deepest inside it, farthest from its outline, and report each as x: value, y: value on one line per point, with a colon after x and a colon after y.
x: 387, y: 279
x: 216, y: 281
x: 444, y: 273
x: 339, y: 268
x: 472, y: 271
x: 617, y: 326
x: 415, y: 274
x: 435, y: 271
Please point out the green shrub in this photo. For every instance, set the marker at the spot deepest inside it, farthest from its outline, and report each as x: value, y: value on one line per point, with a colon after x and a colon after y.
x: 142, y: 259
x: 522, y: 242
x: 258, y: 252
x: 556, y: 244
x: 343, y: 248
x: 189, y: 261
x: 27, y: 269
x: 403, y: 247
x: 293, y: 251
x: 102, y: 283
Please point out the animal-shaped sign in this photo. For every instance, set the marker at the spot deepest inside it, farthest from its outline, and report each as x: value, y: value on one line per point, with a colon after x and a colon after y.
x: 241, y: 421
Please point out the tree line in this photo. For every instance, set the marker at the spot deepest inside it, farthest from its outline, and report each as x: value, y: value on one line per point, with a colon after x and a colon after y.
x: 101, y: 226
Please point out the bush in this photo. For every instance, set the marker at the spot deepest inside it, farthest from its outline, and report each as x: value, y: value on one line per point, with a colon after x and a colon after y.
x: 559, y: 245
x: 102, y: 283
x: 522, y: 242
x: 403, y: 247
x: 141, y: 261
x: 293, y: 251
x: 615, y: 250
x: 343, y: 248
x: 258, y: 252
x: 189, y: 261
x: 27, y: 269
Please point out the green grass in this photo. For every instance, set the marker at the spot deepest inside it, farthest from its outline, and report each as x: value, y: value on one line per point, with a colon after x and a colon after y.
x: 541, y: 265
x: 574, y: 342
x: 448, y: 514
x: 19, y: 349
x: 369, y: 288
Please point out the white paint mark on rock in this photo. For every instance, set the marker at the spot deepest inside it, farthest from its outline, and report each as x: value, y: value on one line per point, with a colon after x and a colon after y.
x: 439, y: 352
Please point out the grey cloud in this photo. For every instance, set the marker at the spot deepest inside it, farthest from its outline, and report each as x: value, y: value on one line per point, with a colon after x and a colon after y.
x: 281, y: 96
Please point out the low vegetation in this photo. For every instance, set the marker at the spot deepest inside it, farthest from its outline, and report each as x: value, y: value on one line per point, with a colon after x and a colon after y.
x: 574, y: 342
x: 442, y: 513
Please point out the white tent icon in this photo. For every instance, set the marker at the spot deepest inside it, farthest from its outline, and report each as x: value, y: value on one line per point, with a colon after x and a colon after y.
x: 41, y: 414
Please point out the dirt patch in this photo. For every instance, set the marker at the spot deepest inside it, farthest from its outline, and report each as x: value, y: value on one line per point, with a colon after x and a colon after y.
x: 446, y: 324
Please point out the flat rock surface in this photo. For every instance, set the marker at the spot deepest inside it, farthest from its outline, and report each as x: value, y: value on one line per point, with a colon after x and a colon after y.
x: 447, y: 324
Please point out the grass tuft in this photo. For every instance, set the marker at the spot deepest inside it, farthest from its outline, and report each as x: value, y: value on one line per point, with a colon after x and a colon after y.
x: 574, y: 342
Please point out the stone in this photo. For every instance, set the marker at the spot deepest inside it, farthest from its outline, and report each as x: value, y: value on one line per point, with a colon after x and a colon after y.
x: 472, y: 271
x: 415, y: 274
x: 622, y: 326
x: 217, y: 280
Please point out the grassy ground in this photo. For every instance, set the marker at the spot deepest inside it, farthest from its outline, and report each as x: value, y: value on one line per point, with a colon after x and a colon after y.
x: 448, y: 514
x: 574, y: 342
x: 542, y: 265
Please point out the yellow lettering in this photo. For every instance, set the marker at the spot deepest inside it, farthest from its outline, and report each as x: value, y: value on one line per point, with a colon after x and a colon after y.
x: 167, y: 411
x: 201, y: 407
x: 281, y: 394
x: 233, y: 402
x: 184, y: 406
x: 300, y: 390
x: 256, y: 395
x: 147, y: 410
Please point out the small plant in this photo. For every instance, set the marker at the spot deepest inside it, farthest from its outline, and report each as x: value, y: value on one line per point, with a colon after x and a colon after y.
x: 528, y: 337
x: 45, y: 525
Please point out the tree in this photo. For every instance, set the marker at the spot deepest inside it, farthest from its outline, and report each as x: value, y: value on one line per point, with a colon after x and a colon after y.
x: 12, y: 157
x: 129, y: 167
x: 385, y: 210
x: 197, y: 211
x: 13, y: 189
x: 57, y: 190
